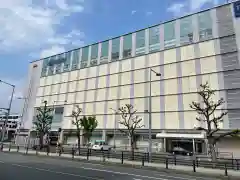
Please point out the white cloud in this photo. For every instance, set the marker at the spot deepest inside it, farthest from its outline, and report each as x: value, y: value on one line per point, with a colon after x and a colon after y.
x: 25, y: 26
x: 189, y: 6
x: 149, y: 13
x: 133, y: 12
x: 51, y: 51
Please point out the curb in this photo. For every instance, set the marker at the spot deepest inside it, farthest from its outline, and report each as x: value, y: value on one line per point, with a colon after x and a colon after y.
x: 200, y: 174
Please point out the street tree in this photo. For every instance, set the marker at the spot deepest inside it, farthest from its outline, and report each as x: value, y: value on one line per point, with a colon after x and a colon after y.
x: 76, y: 121
x: 43, y: 122
x: 131, y: 122
x: 207, y: 112
x: 89, y: 124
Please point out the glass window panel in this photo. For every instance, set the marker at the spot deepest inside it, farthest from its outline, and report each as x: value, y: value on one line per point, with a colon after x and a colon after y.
x: 205, y: 25
x: 66, y: 66
x: 140, y: 42
x: 104, y: 52
x: 51, y: 65
x: 154, y: 39
x: 75, y: 60
x: 94, y: 55
x: 84, y: 60
x: 186, y: 30
x: 169, y: 35
x: 127, y: 46
x: 115, y: 49
x: 44, y: 67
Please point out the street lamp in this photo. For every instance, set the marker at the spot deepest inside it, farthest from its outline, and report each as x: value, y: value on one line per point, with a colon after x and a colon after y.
x: 150, y: 111
x: 8, y: 110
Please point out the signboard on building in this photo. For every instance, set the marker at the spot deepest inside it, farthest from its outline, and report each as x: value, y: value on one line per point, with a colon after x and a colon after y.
x: 236, y: 7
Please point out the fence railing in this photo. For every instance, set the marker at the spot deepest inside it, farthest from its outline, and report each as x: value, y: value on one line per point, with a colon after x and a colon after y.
x: 143, y: 157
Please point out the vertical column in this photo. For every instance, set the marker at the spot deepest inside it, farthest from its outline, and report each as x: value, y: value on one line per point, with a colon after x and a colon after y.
x: 162, y: 87
x: 146, y: 74
x: 121, y: 48
x: 132, y: 68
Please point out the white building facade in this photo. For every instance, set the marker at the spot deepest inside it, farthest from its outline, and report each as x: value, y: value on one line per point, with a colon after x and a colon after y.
x: 107, y: 75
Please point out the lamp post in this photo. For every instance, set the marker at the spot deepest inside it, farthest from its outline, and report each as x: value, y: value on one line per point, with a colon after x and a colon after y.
x: 8, y: 110
x: 150, y: 112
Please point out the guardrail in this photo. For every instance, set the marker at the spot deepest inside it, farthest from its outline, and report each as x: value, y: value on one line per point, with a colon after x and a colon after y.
x: 194, y: 161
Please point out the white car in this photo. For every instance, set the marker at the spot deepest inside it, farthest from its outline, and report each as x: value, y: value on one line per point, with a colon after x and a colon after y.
x: 101, y: 145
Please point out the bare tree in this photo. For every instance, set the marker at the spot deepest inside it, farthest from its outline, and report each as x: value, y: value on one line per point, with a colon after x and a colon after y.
x: 43, y: 122
x: 206, y: 110
x: 131, y: 122
x: 76, y: 121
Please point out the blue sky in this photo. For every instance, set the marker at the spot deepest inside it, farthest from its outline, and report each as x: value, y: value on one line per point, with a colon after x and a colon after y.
x: 33, y: 29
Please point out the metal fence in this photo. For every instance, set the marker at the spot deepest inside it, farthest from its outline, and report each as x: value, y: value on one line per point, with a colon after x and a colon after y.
x: 194, y: 161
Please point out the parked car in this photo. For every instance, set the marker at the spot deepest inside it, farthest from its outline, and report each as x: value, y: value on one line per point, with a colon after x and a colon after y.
x: 101, y: 145
x: 181, y: 151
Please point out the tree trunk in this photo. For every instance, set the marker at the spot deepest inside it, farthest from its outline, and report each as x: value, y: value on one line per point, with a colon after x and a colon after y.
x: 213, y: 152
x: 132, y: 148
x: 79, y: 143
x: 41, y: 134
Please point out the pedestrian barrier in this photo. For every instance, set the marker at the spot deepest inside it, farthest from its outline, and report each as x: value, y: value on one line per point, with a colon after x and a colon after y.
x: 141, y: 157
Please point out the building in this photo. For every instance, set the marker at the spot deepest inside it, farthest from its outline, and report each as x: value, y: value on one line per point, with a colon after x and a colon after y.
x: 12, y: 124
x: 187, y: 52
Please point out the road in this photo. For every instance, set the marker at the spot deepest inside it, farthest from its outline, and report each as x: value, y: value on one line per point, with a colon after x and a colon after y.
x: 17, y: 166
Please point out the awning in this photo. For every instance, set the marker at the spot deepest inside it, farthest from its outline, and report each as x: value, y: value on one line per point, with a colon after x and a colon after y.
x: 180, y: 135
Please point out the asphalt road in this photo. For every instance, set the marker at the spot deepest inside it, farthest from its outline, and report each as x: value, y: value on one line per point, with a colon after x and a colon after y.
x: 22, y: 167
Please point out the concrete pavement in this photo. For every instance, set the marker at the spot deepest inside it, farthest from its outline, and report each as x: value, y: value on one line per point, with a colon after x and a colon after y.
x: 17, y: 166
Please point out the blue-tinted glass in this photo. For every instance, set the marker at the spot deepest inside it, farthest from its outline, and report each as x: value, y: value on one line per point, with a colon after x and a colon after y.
x: 84, y: 59
x: 115, y: 49
x: 205, y: 25
x: 75, y: 59
x: 154, y: 39
x: 140, y: 42
x: 94, y: 55
x: 66, y: 66
x: 51, y: 65
x: 127, y: 46
x: 104, y: 52
x: 169, y: 35
x: 186, y: 30
x: 44, y: 67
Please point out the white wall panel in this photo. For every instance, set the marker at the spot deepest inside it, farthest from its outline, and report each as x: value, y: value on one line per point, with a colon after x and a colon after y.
x: 208, y: 64
x: 114, y: 67
x: 111, y: 122
x: 102, y: 81
x: 189, y: 84
x: 126, y: 78
x: 190, y: 119
x: 73, y: 75
x: 155, y: 88
x: 124, y: 101
x: 171, y: 120
x: 101, y: 94
x: 207, y: 48
x: 80, y: 97
x: 48, y: 80
x: 38, y: 102
x: 154, y: 59
x: 42, y: 81
x: 89, y: 109
x: 82, y: 73
x: 114, y: 80
x: 61, y: 98
x: 63, y: 88
x: 55, y: 88
x: 40, y: 91
x: 170, y: 56
x: 56, y: 79
x: 81, y: 85
x: 187, y: 52
x: 90, y: 95
x: 125, y: 91
x: 47, y: 90
x: 187, y: 100
x: 171, y: 86
x: 139, y: 76
x: 156, y: 121
x: 188, y: 68
x: 171, y: 103
x: 103, y: 69
x: 156, y: 104
x: 139, y: 104
x: 126, y: 65
x: 112, y: 105
x: 139, y: 90
x: 52, y: 100
x: 100, y: 107
x: 64, y: 77
x: 92, y: 83
x: 72, y: 86
x: 100, y: 120
x: 71, y: 98
x: 92, y: 72
x: 170, y: 71
x: 139, y: 62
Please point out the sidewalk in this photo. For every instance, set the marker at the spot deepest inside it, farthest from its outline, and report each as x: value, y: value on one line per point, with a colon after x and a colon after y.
x: 179, y: 168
